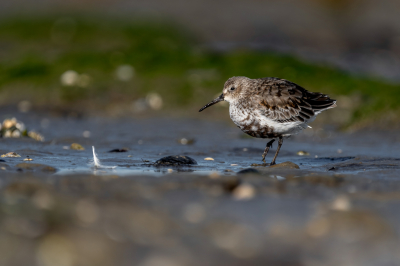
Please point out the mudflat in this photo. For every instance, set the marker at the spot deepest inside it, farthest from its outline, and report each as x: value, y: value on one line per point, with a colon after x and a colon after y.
x: 333, y: 199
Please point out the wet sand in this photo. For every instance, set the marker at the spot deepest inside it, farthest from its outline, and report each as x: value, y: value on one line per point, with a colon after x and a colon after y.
x: 339, y: 208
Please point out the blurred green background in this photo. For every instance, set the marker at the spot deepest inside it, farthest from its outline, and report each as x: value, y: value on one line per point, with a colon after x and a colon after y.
x: 93, y: 63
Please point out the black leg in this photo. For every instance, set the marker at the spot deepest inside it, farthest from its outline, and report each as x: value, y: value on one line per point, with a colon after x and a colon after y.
x: 277, y: 150
x: 269, y: 145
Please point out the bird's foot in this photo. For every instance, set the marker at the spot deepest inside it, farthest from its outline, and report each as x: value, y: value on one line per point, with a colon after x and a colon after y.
x: 272, y: 163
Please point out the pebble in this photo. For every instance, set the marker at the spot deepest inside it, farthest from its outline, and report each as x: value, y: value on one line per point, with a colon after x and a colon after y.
x: 28, y: 159
x: 302, y: 153
x: 208, y: 159
x: 244, y: 192
x: 341, y: 203
x: 36, y: 166
x: 36, y: 136
x: 214, y: 175
x: 11, y: 154
x: 12, y: 128
x: 76, y: 146
x: 185, y: 141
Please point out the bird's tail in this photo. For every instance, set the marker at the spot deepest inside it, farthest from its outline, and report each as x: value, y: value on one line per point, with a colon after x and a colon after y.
x: 320, y: 102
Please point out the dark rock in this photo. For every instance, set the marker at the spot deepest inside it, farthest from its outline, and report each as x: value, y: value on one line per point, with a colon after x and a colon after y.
x: 119, y: 150
x: 175, y: 160
x: 285, y: 165
x: 36, y: 166
x: 248, y: 171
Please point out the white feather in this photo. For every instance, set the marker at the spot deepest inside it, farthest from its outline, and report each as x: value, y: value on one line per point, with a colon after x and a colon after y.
x: 97, y: 163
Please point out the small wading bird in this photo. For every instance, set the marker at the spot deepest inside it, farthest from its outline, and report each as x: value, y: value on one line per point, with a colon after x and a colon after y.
x: 271, y: 108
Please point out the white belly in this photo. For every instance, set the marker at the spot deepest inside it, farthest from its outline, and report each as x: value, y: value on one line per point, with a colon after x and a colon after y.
x: 286, y: 129
x: 253, y: 121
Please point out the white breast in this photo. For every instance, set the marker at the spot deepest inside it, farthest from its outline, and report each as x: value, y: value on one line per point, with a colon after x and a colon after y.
x: 240, y: 116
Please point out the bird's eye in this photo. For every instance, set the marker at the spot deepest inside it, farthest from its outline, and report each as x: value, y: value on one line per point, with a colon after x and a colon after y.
x: 233, y: 88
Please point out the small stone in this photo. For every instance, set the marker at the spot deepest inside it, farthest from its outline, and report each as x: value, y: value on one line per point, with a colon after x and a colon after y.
x: 86, y: 134
x: 175, y: 160
x: 8, y: 123
x: 341, y: 203
x: 302, y: 153
x: 36, y: 136
x: 11, y: 155
x: 248, y: 171
x: 285, y: 165
x: 36, y: 166
x: 214, y: 175
x: 234, y: 164
x: 208, y: 159
x: 28, y: 159
x: 185, y: 141
x: 76, y: 146
x: 244, y: 192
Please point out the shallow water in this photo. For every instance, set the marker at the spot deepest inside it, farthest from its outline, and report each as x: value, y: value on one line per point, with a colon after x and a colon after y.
x: 150, y: 139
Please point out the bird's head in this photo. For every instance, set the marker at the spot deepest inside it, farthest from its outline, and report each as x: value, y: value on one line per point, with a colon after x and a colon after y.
x: 234, y: 89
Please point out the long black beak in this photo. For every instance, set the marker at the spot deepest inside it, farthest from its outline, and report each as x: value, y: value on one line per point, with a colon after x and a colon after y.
x: 216, y: 100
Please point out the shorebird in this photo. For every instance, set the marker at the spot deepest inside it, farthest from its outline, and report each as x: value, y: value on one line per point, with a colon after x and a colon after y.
x: 271, y: 108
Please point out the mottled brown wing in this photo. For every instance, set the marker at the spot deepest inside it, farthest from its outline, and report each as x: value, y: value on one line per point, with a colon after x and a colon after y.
x: 284, y: 101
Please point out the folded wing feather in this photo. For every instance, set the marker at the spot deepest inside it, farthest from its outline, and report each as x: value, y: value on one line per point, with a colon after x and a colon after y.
x: 284, y: 101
